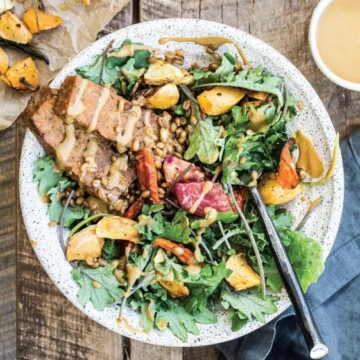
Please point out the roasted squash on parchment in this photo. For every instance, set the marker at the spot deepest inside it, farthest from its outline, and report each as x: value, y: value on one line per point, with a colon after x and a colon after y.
x: 4, y: 61
x: 46, y: 21
x: 13, y: 29
x: 22, y: 76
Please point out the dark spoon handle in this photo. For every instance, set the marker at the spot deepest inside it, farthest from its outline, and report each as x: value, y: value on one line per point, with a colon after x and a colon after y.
x: 311, y: 333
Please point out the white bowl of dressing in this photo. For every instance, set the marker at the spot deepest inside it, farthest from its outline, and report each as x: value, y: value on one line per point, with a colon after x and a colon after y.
x: 334, y: 38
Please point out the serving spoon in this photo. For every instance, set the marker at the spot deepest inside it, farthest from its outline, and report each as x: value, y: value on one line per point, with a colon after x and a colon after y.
x: 311, y: 333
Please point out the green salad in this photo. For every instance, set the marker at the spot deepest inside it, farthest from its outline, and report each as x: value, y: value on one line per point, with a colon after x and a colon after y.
x: 179, y: 248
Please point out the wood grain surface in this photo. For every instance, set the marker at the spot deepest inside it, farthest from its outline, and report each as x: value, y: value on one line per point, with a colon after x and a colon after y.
x: 43, y: 324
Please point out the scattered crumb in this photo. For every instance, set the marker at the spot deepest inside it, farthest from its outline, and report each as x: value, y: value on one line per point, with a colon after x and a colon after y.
x: 52, y: 223
x: 33, y: 242
x: 300, y: 105
x: 303, y: 198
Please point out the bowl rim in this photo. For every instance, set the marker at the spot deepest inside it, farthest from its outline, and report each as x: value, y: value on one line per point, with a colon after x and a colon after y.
x: 318, y: 11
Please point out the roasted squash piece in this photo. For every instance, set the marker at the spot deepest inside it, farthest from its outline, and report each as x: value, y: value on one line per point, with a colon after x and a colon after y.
x: 117, y: 228
x: 161, y: 73
x: 6, y: 5
x: 84, y: 245
x: 22, y: 76
x: 13, y: 29
x: 163, y: 98
x: 175, y: 289
x: 4, y: 61
x: 46, y: 21
x: 273, y: 193
x: 243, y: 276
x: 219, y: 100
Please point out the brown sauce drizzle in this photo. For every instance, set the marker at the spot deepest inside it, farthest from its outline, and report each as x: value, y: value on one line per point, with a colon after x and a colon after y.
x: 207, y: 41
x: 309, y: 159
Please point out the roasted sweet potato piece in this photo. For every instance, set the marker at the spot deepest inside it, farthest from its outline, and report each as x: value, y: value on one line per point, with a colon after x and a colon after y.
x: 184, y: 254
x: 287, y: 176
x: 135, y: 209
x: 4, y: 61
x: 22, y: 76
x: 147, y: 174
x: 243, y: 275
x: 13, y: 29
x: 46, y: 21
x: 241, y: 194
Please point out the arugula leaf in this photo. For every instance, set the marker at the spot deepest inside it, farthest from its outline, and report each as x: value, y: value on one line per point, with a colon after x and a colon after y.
x: 110, y: 250
x: 150, y: 209
x: 305, y: 255
x: 56, y: 208
x: 51, y: 182
x: 178, y: 229
x: 250, y: 79
x: 45, y: 174
x: 141, y: 59
x: 204, y: 142
x: 151, y: 227
x: 249, y: 305
x: 225, y: 69
x: 203, y: 286
x: 261, y: 151
x: 205, y: 317
x: 107, y: 294
x: 178, y: 320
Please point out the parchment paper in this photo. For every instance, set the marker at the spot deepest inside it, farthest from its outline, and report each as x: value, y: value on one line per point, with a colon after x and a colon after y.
x: 81, y: 25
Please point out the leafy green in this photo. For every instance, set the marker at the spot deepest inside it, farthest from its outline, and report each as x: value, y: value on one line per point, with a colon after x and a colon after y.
x: 141, y: 58
x: 250, y: 79
x: 178, y: 229
x: 45, y: 174
x: 110, y: 250
x: 56, y: 208
x: 93, y: 71
x: 179, y: 321
x: 203, y: 286
x: 205, y: 317
x: 107, y: 294
x: 205, y: 142
x: 122, y: 73
x: 225, y: 69
x: 51, y: 182
x: 305, y: 255
x: 248, y: 305
x: 261, y: 151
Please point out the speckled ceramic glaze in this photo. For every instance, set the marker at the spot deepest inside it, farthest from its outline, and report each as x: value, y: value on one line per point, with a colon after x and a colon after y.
x: 313, y: 120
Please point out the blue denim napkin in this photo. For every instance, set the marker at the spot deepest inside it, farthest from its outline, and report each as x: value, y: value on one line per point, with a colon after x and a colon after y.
x: 334, y: 300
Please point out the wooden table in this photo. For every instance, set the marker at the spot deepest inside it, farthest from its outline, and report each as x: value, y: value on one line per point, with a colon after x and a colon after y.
x: 36, y: 320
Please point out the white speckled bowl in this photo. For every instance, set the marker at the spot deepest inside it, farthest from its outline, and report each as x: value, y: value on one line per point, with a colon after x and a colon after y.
x: 313, y: 120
